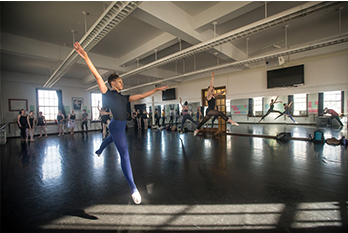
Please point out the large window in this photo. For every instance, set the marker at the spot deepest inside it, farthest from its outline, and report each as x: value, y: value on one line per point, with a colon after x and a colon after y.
x: 257, y: 106
x: 333, y: 100
x: 48, y: 104
x: 300, y: 104
x: 96, y: 100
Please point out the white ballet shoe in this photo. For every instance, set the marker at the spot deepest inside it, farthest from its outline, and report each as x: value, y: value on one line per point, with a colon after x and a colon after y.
x: 136, y: 197
x: 196, y: 132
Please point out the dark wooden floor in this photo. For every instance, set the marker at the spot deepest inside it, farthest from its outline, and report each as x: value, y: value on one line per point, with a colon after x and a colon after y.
x: 226, y: 183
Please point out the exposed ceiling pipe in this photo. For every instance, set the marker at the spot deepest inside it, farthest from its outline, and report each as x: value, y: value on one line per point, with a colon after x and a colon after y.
x: 112, y: 16
x: 259, y: 26
x: 85, y: 13
x: 339, y: 40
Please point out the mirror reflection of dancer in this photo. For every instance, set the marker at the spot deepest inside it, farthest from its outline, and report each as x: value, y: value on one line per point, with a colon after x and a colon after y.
x: 118, y: 106
x: 271, y: 108
x: 211, y: 106
x: 286, y: 112
x: 185, y: 115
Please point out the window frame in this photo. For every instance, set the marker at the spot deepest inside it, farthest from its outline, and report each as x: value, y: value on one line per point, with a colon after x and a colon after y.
x: 95, y: 107
x: 340, y: 102
x: 49, y: 121
x: 305, y: 104
x: 262, y: 106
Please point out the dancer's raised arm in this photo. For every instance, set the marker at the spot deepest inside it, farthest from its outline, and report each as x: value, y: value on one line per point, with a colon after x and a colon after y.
x: 133, y: 98
x: 103, y: 88
x: 211, y: 85
x: 181, y: 102
x: 275, y: 101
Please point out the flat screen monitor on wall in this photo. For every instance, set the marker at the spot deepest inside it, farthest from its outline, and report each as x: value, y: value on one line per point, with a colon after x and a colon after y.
x: 169, y: 94
x: 286, y: 77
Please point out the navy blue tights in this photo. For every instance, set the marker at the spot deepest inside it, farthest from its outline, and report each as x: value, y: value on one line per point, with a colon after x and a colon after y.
x: 118, y: 136
x: 286, y: 113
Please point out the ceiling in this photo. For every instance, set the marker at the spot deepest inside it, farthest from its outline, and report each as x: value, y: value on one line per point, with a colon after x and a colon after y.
x: 37, y: 37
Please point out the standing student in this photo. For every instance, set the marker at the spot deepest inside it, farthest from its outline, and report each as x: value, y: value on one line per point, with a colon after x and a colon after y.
x: 72, y: 122
x: 177, y: 116
x: 171, y: 121
x: 286, y: 112
x: 211, y: 106
x: 41, y: 123
x: 134, y: 117
x: 118, y: 106
x: 163, y: 118
x: 30, y: 126
x: 139, y: 118
x: 185, y: 115
x: 60, y: 120
x: 145, y: 117
x: 271, y: 108
x: 105, y: 119
x: 22, y: 124
x: 84, y: 121
x: 157, y: 118
x: 334, y: 115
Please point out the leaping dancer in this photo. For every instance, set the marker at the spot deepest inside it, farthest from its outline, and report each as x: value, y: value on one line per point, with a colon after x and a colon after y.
x: 271, y: 108
x: 286, y: 112
x: 185, y: 115
x: 117, y: 103
x: 211, y: 106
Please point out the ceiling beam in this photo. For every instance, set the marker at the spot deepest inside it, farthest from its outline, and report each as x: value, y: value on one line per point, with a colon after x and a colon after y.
x: 177, y: 22
x: 223, y: 12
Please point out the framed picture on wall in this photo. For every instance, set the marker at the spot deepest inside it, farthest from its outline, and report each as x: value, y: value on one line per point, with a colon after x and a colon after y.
x: 77, y: 103
x: 17, y: 104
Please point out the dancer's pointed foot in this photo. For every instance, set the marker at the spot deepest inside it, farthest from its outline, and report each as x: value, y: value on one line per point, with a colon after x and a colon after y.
x: 98, y: 153
x: 196, y: 132
x: 136, y: 197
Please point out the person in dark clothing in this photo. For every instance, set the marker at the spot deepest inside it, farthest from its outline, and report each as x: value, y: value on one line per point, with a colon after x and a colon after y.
x: 22, y: 124
x: 30, y: 126
x: 211, y: 107
x: 271, y: 108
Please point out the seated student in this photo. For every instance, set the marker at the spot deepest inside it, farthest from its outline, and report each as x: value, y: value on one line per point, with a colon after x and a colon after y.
x: 334, y: 115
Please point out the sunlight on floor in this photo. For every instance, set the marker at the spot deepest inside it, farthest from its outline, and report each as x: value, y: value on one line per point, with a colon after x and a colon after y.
x: 202, y: 217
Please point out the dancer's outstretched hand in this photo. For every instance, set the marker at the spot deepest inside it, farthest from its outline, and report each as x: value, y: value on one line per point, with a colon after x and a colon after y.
x: 213, y: 74
x: 163, y: 88
x: 80, y: 50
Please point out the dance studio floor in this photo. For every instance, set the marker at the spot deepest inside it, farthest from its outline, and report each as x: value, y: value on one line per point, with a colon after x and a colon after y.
x: 187, y: 183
